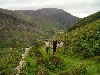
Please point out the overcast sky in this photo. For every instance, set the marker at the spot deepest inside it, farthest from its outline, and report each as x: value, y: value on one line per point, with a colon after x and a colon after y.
x: 79, y: 8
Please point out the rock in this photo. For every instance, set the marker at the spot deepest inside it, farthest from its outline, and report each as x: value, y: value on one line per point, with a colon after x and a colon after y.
x: 24, y: 55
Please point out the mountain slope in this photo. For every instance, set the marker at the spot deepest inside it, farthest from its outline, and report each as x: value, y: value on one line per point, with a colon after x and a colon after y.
x: 59, y: 16
x: 47, y: 21
x: 15, y: 35
x: 86, y: 20
x: 44, y: 27
x: 17, y: 30
x: 83, y: 39
x: 90, y: 18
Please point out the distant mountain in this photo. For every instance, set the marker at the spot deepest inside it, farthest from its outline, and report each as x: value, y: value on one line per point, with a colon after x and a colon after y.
x: 46, y: 19
x: 27, y: 25
x: 44, y: 27
x: 17, y: 14
x: 59, y: 16
x: 40, y: 25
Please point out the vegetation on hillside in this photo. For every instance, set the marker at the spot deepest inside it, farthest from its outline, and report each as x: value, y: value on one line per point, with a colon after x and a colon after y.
x: 14, y: 31
x: 90, y: 18
x: 80, y: 54
x: 84, y: 40
x: 9, y: 59
x: 42, y: 28
x: 86, y: 20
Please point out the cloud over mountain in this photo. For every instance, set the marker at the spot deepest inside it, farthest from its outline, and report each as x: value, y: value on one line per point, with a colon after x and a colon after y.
x: 74, y: 7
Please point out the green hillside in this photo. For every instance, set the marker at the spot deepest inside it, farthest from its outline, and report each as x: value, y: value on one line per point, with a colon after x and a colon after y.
x: 62, y: 18
x: 90, y: 18
x: 13, y: 30
x: 17, y: 27
x: 18, y: 31
x: 40, y: 25
x: 80, y: 54
x: 15, y: 35
x: 84, y: 40
x: 86, y: 20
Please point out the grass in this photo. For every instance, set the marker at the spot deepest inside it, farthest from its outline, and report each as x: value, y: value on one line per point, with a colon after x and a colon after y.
x: 9, y: 59
x: 31, y: 65
x: 92, y: 67
x: 45, y: 55
x: 71, y: 64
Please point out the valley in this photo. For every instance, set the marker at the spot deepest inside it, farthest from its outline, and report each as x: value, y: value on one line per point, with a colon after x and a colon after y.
x: 22, y: 29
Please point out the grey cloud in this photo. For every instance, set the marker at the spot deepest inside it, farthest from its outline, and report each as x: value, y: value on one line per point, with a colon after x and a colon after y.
x: 73, y: 6
x: 94, y: 2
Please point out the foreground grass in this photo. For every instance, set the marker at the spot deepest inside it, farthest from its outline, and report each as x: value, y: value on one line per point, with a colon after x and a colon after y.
x: 92, y: 66
x: 9, y: 59
x: 45, y: 63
